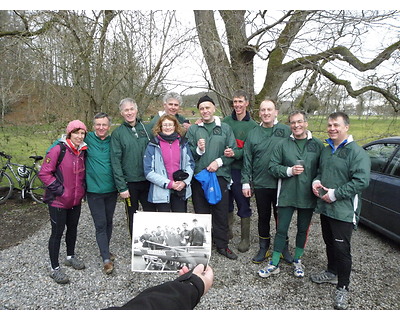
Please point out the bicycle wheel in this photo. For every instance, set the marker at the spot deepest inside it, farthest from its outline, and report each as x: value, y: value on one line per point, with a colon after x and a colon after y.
x: 36, y: 189
x: 6, y: 187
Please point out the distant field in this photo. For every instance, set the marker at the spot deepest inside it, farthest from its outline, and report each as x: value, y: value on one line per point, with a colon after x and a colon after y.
x: 24, y: 141
x: 363, y: 130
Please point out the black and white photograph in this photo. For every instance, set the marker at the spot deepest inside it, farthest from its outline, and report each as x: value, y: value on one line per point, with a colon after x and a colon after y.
x: 167, y: 241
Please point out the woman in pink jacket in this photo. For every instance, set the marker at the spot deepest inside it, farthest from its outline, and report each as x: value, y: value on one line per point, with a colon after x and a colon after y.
x: 63, y: 173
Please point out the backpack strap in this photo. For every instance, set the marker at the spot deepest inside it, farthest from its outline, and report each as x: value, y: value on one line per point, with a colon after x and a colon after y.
x: 62, y: 153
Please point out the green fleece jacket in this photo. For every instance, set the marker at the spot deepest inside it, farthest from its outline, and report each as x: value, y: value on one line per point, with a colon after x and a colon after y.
x: 296, y: 190
x: 346, y: 170
x: 257, y: 154
x: 99, y: 175
x: 241, y: 129
x: 220, y: 137
x: 128, y: 145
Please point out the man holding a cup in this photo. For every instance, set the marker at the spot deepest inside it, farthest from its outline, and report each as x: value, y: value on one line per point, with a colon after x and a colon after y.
x: 208, y: 141
x: 294, y: 162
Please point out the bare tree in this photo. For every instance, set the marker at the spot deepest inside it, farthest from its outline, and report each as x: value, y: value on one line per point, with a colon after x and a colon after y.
x: 92, y: 59
x: 156, y: 40
x: 325, y: 42
x: 27, y: 28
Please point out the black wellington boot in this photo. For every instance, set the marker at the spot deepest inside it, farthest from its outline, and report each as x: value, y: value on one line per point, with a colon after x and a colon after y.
x: 263, y: 253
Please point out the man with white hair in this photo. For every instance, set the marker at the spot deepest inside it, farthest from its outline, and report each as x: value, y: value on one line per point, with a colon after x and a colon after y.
x: 128, y: 144
x: 172, y: 102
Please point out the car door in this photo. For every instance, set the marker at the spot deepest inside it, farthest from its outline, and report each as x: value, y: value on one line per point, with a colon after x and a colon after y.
x: 381, y: 198
x: 380, y: 207
x: 386, y: 201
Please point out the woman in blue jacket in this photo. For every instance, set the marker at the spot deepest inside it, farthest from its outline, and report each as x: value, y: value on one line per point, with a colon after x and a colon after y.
x: 169, y: 165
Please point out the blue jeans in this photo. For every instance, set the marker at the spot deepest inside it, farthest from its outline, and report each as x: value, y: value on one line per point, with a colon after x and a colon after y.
x: 102, y: 207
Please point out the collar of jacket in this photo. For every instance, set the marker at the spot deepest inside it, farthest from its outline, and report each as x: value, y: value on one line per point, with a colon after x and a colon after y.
x: 156, y: 141
x: 82, y: 146
x: 161, y: 113
x: 217, y: 121
x: 344, y: 142
x: 275, y: 122
x: 309, y: 135
x: 246, y: 117
x: 97, y: 137
x: 128, y: 125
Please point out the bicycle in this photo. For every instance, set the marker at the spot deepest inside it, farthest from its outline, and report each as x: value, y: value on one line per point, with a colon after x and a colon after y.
x: 26, y: 177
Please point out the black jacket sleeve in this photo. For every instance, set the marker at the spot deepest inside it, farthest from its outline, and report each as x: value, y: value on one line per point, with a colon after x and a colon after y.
x: 183, y: 293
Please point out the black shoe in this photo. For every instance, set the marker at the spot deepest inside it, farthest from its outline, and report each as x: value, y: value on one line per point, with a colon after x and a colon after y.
x: 227, y: 253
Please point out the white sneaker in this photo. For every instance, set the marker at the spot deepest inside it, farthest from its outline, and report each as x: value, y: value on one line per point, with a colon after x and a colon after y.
x: 268, y: 270
x: 298, y: 268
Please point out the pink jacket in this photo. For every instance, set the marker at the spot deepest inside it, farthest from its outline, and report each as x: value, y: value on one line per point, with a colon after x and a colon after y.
x: 171, y: 153
x: 65, y: 184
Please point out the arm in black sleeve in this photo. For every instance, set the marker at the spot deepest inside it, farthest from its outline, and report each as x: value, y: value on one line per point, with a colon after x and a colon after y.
x: 183, y: 293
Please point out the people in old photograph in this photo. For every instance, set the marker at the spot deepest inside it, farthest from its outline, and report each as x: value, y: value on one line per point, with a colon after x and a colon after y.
x: 170, y: 247
x: 171, y: 236
x: 197, y: 234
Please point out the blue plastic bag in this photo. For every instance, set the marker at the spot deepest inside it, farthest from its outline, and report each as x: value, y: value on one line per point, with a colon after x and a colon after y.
x: 210, y: 185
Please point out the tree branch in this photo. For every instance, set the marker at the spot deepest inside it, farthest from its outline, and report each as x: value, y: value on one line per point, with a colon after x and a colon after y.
x: 262, y: 30
x: 28, y: 33
x: 344, y: 54
x: 392, y: 99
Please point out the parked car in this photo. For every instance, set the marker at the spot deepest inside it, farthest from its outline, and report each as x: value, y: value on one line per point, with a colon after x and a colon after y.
x: 380, y: 208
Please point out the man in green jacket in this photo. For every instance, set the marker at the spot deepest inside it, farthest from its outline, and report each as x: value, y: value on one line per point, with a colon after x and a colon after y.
x: 128, y: 144
x: 344, y: 171
x: 294, y: 162
x: 101, y: 191
x: 208, y: 140
x: 241, y: 123
x: 172, y: 102
x: 260, y: 142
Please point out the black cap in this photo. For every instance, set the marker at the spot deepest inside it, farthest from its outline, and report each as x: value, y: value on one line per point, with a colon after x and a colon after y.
x: 204, y: 99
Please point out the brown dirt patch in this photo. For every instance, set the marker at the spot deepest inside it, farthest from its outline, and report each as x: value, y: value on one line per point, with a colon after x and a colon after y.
x: 19, y: 219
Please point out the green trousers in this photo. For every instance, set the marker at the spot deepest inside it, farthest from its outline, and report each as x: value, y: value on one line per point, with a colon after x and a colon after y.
x: 303, y: 223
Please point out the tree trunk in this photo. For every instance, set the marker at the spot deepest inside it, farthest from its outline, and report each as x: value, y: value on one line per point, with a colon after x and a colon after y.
x: 241, y: 54
x: 222, y: 75
x: 277, y: 71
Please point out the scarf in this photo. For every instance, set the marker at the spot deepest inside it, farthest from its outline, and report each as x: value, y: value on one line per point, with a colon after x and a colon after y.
x: 169, y: 138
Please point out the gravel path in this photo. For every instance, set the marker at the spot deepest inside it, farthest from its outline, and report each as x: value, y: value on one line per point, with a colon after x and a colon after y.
x: 26, y: 285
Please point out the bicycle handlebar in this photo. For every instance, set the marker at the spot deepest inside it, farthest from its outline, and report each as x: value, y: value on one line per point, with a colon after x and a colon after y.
x: 35, y: 158
x: 2, y: 154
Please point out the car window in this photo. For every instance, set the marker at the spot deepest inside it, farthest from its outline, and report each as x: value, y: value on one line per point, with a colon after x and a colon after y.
x: 380, y: 154
x: 394, y: 165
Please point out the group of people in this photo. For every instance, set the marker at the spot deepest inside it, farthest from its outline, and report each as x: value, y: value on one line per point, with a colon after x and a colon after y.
x: 174, y: 236
x: 158, y: 165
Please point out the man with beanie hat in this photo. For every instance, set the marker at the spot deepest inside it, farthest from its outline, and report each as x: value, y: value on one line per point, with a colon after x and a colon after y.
x: 241, y: 123
x: 208, y: 141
